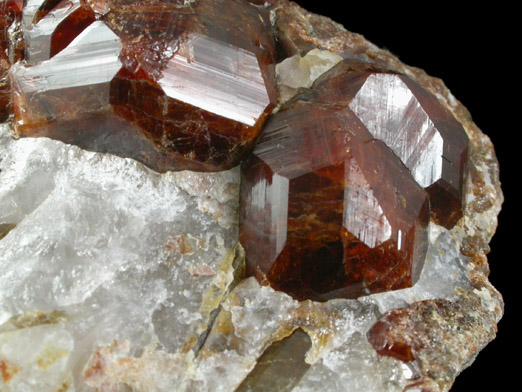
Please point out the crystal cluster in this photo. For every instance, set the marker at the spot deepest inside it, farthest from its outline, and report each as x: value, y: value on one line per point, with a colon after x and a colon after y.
x: 346, y: 253
x: 173, y: 84
x: 334, y: 189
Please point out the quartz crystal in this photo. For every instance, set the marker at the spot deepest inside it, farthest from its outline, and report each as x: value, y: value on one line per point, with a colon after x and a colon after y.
x: 338, y: 215
x: 173, y: 84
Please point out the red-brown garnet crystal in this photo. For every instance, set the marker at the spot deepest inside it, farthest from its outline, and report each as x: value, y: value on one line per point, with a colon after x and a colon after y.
x: 174, y: 84
x: 410, y: 120
x: 332, y: 199
x: 327, y: 211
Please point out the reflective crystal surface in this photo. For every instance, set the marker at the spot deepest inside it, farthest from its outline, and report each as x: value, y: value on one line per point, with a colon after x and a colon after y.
x: 337, y: 214
x: 10, y: 14
x: 425, y: 136
x: 173, y: 84
x: 49, y: 26
x: 114, y: 277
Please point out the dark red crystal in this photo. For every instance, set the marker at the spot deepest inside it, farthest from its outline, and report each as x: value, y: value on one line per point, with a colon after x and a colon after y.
x: 328, y: 212
x: 4, y: 86
x: 173, y: 84
x: 66, y: 31
x: 412, y: 122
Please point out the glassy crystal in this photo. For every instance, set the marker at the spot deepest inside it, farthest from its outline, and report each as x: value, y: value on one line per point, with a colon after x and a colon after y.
x: 425, y: 136
x: 10, y: 13
x: 337, y: 214
x: 54, y: 24
x: 173, y: 84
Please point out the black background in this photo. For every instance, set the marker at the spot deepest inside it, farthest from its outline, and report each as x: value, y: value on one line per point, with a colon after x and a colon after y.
x: 474, y: 51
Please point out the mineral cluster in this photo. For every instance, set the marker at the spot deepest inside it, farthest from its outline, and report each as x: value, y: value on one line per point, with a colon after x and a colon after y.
x: 331, y: 234
x: 333, y: 189
x: 338, y: 214
x: 173, y: 84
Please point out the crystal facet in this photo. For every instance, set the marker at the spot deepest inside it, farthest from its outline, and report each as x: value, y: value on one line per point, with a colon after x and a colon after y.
x: 53, y: 27
x: 115, y: 277
x: 425, y: 136
x: 173, y: 84
x: 338, y: 214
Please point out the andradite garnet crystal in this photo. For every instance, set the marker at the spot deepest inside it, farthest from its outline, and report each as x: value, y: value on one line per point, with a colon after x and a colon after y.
x: 328, y: 212
x: 332, y: 199
x: 421, y: 132
x: 173, y: 84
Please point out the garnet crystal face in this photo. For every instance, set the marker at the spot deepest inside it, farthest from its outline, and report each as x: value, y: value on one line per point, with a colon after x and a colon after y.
x: 410, y: 120
x: 326, y: 212
x: 173, y: 84
x: 339, y: 188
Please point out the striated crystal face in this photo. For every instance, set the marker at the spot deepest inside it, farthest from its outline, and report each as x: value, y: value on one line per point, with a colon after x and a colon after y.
x: 173, y: 84
x: 50, y: 26
x: 328, y: 212
x: 425, y: 136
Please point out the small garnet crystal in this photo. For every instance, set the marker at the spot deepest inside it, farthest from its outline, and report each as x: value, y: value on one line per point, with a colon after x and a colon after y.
x: 174, y: 84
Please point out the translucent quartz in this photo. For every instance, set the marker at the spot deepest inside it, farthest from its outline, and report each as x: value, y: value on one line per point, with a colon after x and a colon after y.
x: 173, y: 84
x: 337, y: 216
x: 425, y: 136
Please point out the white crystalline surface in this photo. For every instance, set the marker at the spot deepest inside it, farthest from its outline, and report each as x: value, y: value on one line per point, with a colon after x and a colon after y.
x: 126, y: 255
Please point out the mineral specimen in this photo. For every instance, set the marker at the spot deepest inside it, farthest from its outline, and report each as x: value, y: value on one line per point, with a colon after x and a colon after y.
x: 413, y: 123
x: 173, y: 84
x: 338, y: 215
x: 114, y: 277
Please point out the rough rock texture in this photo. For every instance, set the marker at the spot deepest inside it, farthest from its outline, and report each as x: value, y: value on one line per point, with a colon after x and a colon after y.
x: 121, y: 252
x: 112, y: 276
